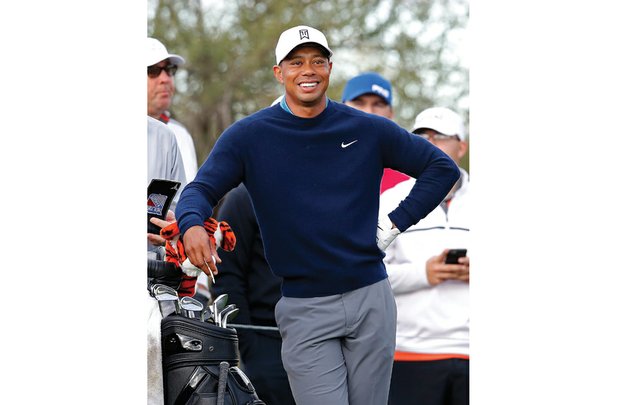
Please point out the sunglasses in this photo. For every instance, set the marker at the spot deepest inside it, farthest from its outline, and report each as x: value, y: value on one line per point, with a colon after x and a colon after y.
x: 438, y: 137
x: 154, y: 71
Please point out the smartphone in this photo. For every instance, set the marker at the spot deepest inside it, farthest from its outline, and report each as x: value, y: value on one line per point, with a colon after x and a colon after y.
x: 160, y: 194
x: 454, y: 254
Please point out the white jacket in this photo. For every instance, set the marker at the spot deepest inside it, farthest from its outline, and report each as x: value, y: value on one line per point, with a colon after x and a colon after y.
x: 430, y: 319
x: 186, y: 146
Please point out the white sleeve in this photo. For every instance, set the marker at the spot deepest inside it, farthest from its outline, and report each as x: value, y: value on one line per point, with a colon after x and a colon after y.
x: 185, y: 143
x: 405, y: 276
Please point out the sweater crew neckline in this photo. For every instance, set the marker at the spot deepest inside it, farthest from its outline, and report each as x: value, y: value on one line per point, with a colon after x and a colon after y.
x: 294, y: 119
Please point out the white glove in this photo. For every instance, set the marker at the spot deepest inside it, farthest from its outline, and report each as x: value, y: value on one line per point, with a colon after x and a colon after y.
x: 385, y: 233
x: 189, y: 269
x: 193, y: 271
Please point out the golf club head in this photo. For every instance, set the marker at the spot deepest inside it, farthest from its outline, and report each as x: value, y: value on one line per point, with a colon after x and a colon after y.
x: 161, y: 296
x: 230, y: 315
x: 190, y: 305
x: 206, y: 313
x: 223, y: 312
x: 152, y: 289
x: 160, y: 285
x: 165, y: 296
x: 212, y: 310
x: 161, y: 289
x: 218, y: 304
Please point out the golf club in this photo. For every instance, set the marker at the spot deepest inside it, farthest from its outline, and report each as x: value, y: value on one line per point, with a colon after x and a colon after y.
x: 161, y: 296
x: 218, y: 304
x: 221, y: 383
x: 222, y: 312
x: 189, y: 305
x: 205, y: 314
x: 229, y: 315
x: 164, y: 288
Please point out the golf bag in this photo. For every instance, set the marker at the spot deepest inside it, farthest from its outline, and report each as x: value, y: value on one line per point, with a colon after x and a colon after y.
x: 200, y: 364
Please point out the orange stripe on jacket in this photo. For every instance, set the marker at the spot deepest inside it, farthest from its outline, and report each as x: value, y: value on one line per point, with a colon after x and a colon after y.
x: 407, y: 356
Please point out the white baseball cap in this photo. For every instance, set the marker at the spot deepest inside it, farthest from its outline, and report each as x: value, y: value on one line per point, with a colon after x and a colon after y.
x: 442, y: 120
x: 296, y: 36
x: 156, y: 52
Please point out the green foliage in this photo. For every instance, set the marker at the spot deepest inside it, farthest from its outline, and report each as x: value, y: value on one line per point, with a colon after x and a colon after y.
x: 229, y: 49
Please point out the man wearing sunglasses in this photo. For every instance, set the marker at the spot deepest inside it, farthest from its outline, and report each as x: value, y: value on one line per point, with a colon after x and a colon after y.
x: 161, y: 68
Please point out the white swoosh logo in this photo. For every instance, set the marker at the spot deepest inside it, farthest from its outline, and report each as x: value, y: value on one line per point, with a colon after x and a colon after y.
x: 346, y: 145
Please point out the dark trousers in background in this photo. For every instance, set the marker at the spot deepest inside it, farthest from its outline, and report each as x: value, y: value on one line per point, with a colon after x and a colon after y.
x: 437, y: 382
x: 263, y: 365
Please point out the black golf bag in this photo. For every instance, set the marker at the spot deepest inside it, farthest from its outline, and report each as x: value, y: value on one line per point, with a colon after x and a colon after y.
x: 200, y: 364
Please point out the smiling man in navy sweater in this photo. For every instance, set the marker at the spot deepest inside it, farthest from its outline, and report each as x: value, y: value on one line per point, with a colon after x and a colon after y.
x: 312, y: 168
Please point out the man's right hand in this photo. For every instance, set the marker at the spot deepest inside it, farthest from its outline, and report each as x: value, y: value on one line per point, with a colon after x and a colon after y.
x: 437, y: 271
x: 199, y: 249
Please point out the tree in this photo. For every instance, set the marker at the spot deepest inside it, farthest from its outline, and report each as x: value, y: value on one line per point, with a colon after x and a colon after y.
x: 229, y: 48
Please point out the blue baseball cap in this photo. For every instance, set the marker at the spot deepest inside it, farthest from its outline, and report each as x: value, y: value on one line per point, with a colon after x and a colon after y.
x: 367, y: 83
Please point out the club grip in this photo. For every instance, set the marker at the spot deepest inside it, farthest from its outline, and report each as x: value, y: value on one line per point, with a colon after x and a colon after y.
x: 221, y: 383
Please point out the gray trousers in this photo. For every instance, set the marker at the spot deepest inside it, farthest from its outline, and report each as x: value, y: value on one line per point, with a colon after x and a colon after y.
x: 339, y: 349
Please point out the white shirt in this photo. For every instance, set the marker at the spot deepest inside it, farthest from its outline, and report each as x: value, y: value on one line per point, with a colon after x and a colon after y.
x: 431, y: 319
x: 186, y: 146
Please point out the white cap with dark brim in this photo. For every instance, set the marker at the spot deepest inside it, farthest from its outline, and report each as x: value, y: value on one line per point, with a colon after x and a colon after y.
x: 442, y: 120
x: 156, y: 52
x: 302, y: 34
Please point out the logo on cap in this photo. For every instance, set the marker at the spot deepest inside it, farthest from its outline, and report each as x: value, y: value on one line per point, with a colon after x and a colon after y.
x: 304, y: 34
x: 378, y: 89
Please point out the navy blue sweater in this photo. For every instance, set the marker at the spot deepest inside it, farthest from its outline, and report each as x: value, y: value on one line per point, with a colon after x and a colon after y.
x: 314, y: 184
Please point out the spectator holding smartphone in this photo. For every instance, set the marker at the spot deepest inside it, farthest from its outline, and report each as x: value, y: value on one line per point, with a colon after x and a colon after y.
x: 431, y: 364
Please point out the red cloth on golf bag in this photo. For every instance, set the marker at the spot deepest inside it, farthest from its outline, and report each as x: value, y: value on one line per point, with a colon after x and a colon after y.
x: 193, y: 353
x: 175, y: 252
